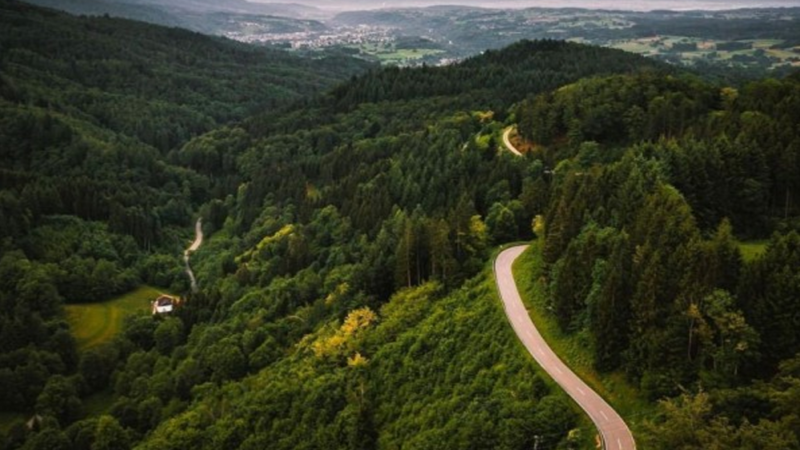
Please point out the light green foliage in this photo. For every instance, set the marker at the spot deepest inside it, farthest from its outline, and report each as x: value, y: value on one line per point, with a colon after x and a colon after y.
x: 502, y: 223
x: 688, y: 422
x: 109, y: 435
x: 482, y: 386
x: 751, y: 250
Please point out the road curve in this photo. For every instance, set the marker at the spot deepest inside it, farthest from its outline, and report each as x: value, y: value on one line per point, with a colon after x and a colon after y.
x: 507, y: 142
x: 198, y: 241
x: 613, y: 430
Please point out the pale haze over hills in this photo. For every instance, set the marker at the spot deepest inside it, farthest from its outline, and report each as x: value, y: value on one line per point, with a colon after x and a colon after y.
x: 677, y: 5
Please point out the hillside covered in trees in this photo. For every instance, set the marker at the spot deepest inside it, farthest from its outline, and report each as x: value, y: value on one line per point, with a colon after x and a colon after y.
x: 655, y: 181
x: 89, y: 205
x: 345, y: 294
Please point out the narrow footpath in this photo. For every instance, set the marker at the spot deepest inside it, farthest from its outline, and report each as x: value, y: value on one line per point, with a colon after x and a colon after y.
x: 614, y: 433
x: 198, y: 241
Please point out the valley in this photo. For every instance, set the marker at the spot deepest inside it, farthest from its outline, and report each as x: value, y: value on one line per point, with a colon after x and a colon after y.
x: 748, y: 39
x: 764, y: 39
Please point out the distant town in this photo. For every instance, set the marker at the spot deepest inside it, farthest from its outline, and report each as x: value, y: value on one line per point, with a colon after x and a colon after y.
x: 762, y: 39
x: 312, y: 39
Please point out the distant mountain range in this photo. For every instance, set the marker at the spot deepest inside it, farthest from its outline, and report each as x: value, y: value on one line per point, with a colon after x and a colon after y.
x: 646, y: 5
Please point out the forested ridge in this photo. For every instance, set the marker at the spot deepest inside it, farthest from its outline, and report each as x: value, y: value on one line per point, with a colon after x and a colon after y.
x: 345, y: 294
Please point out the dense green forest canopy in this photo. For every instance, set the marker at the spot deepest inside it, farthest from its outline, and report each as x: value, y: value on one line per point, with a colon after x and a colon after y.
x: 89, y: 205
x: 653, y: 179
x: 345, y: 300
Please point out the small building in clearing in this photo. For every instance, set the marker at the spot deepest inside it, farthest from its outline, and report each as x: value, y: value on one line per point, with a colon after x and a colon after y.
x: 164, y: 304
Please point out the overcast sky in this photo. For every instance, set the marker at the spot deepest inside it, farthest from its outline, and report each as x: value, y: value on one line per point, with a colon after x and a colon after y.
x: 640, y: 5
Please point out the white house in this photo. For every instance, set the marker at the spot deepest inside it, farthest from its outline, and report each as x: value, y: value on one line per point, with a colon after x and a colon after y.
x: 164, y: 304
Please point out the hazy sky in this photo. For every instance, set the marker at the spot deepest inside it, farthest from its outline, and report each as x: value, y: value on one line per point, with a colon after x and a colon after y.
x: 640, y: 5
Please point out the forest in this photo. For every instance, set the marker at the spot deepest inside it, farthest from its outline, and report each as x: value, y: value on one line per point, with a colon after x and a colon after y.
x: 346, y: 298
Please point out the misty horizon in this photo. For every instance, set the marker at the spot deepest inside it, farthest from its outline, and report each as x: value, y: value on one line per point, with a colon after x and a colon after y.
x: 623, y: 5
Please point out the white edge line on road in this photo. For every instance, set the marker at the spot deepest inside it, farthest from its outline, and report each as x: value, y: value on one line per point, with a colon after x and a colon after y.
x: 518, y: 325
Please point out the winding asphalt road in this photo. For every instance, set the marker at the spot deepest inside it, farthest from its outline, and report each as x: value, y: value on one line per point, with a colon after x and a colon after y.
x: 613, y: 430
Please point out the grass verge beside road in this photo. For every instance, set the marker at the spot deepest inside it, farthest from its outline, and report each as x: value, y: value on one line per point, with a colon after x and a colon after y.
x: 576, y: 349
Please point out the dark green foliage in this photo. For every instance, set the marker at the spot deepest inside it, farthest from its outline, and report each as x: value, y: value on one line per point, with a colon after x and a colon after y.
x: 334, y: 209
x: 643, y: 255
x: 160, y: 85
x: 620, y: 109
x: 771, y: 286
x: 97, y: 365
x: 59, y: 399
x: 344, y: 301
x: 729, y: 154
x: 497, y: 77
x: 89, y: 205
x: 319, y: 215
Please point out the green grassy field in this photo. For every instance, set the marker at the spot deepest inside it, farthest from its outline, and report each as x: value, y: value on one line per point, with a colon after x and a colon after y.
x: 706, y: 49
x: 752, y: 249
x: 389, y: 54
x: 95, y: 323
x: 576, y: 349
x: 406, y: 54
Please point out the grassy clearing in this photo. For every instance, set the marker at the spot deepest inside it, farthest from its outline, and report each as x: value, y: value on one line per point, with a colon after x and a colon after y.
x: 764, y: 43
x: 389, y: 54
x: 752, y: 249
x: 406, y: 55
x: 95, y: 323
x: 635, y: 47
x: 576, y: 349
